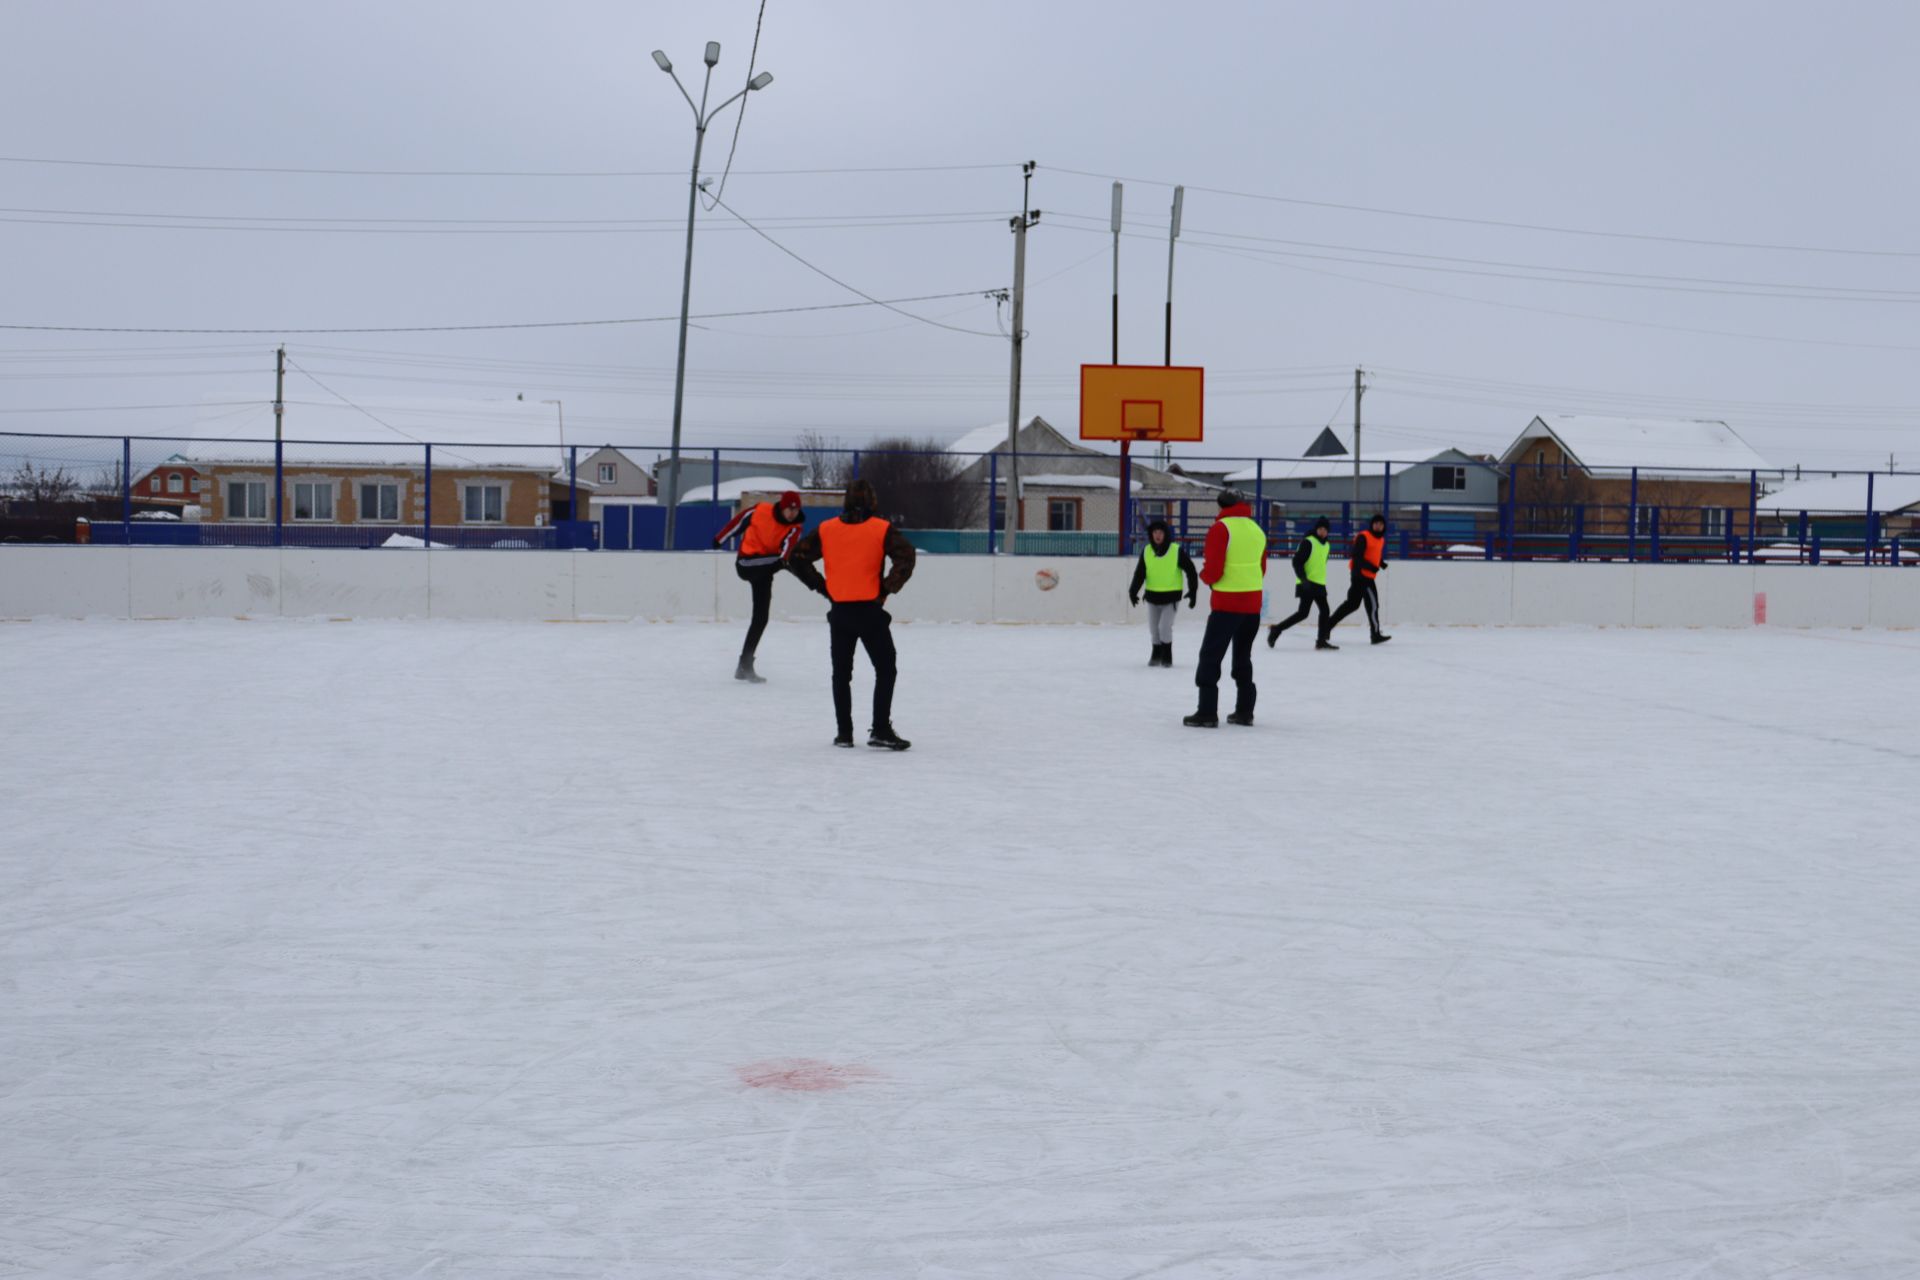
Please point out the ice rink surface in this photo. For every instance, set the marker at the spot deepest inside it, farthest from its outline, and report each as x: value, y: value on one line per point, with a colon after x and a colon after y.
x: 500, y: 950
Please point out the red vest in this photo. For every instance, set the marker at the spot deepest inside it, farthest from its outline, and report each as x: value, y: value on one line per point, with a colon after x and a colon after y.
x: 764, y: 532
x: 855, y: 556
x: 1373, y: 549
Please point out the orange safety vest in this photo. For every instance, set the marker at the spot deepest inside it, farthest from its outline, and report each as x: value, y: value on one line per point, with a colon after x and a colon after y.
x: 855, y: 554
x: 764, y: 532
x: 1373, y: 549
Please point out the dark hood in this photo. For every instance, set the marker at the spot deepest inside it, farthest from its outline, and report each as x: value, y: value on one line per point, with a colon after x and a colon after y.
x: 861, y: 501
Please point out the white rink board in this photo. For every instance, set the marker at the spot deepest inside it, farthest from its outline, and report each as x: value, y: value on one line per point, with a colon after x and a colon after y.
x: 1692, y: 595
x: 64, y: 582
x: 1472, y: 593
x: 1894, y: 599
x: 184, y: 582
x: 450, y: 949
x: 322, y: 582
x: 190, y: 582
x: 1804, y: 596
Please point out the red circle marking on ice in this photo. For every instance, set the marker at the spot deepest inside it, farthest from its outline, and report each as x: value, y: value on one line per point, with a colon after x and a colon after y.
x: 803, y: 1075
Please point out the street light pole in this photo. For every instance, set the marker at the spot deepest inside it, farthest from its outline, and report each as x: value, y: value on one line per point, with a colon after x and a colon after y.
x: 701, y: 119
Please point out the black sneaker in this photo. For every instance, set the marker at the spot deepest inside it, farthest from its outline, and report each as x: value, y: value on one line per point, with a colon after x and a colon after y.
x: 1326, y: 644
x: 746, y: 672
x: 1241, y: 718
x: 1198, y: 721
x: 884, y: 736
x: 1381, y: 639
x: 1273, y: 634
x: 844, y: 738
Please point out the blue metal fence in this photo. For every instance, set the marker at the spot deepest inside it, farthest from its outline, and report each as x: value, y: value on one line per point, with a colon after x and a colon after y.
x: 139, y: 490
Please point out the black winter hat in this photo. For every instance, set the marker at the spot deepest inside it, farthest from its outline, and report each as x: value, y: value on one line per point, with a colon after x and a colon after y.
x: 1376, y: 518
x: 1322, y: 523
x: 1228, y: 498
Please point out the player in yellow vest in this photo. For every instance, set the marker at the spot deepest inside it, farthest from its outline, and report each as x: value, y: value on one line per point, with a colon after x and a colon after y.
x: 1236, y: 568
x: 1309, y: 583
x: 1162, y: 564
x: 856, y: 546
x: 1368, y: 561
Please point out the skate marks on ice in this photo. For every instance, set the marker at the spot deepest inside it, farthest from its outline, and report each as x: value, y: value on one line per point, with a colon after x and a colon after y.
x: 451, y: 964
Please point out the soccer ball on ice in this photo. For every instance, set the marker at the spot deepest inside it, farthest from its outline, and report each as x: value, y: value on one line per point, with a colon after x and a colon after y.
x: 1046, y: 579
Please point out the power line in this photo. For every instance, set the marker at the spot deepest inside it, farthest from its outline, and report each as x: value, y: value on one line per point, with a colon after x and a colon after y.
x: 544, y: 324
x: 740, y: 117
x: 1494, y: 222
x: 493, y: 173
x: 1549, y: 311
x: 1877, y: 295
x: 978, y: 333
x: 809, y: 225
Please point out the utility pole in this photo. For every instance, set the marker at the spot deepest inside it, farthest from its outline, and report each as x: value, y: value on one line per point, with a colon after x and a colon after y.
x: 1021, y: 225
x: 1359, y: 389
x: 701, y: 119
x: 279, y: 391
x: 1173, y: 233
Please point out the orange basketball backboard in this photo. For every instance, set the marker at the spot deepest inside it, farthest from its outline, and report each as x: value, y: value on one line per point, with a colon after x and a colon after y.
x: 1141, y: 402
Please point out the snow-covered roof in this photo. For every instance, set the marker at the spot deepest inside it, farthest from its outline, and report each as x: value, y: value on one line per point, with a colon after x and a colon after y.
x: 1335, y: 466
x: 981, y: 439
x: 1689, y: 447
x: 734, y: 490
x: 1845, y: 493
x: 1075, y: 482
x: 517, y: 434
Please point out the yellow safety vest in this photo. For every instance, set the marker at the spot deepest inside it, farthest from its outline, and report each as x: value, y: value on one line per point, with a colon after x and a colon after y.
x: 1246, y: 549
x: 1317, y: 554
x: 1163, y: 567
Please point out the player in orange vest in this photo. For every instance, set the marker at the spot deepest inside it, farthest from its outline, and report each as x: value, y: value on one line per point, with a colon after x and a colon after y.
x: 768, y: 532
x: 1368, y: 561
x: 856, y: 546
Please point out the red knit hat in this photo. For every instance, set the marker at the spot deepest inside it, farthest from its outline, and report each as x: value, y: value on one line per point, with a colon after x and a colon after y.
x: 788, y: 499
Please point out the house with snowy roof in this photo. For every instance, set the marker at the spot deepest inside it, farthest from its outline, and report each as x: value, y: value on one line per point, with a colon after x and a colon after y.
x: 1836, y: 505
x: 1686, y: 478
x: 501, y: 473
x: 1325, y: 478
x: 1065, y: 487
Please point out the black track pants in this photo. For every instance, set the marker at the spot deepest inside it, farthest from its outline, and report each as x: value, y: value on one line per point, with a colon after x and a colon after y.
x: 1360, y: 591
x: 759, y: 578
x: 1311, y: 594
x: 870, y: 627
x: 1237, y: 631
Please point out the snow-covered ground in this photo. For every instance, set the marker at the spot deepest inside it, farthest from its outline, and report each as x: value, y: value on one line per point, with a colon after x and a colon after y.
x: 488, y: 950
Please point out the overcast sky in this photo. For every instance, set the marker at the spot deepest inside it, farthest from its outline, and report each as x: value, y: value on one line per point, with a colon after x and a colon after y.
x: 1386, y: 139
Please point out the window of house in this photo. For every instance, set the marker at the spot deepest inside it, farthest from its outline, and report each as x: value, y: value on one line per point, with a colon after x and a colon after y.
x: 1643, y: 518
x: 1063, y: 515
x: 1450, y: 478
x: 606, y: 473
x: 379, y: 502
x: 246, y: 499
x: 484, y: 503
x: 1713, y: 522
x: 1153, y: 509
x: 153, y: 485
x: 1309, y: 484
x: 1540, y: 458
x: 313, y: 500
x: 175, y: 483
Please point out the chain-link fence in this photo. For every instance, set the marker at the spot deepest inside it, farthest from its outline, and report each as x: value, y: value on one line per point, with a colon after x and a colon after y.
x: 974, y: 498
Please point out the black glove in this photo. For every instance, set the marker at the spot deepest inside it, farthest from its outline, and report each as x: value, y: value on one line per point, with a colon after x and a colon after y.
x: 1133, y: 598
x: 1193, y: 599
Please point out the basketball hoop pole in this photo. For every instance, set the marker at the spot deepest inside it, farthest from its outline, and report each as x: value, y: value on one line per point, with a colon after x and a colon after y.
x: 1125, y: 504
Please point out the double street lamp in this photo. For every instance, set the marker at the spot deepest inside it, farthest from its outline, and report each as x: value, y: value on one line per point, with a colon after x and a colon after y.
x: 701, y: 119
